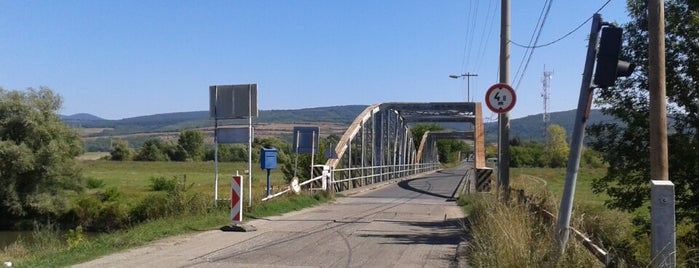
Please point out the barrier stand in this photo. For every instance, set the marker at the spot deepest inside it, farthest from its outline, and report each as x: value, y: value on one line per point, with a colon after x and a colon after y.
x: 237, y: 208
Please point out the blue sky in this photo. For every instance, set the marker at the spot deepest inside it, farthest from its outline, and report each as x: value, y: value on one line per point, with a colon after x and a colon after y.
x: 119, y: 59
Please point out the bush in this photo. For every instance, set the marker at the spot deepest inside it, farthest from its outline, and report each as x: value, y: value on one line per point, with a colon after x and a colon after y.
x: 163, y: 184
x: 112, y: 216
x: 93, y: 183
x: 176, y: 200
x: 112, y: 194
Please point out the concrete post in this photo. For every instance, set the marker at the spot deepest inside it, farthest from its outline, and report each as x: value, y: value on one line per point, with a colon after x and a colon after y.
x: 662, y: 214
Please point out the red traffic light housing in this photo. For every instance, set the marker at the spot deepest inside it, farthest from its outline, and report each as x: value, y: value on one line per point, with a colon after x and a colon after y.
x: 609, y: 67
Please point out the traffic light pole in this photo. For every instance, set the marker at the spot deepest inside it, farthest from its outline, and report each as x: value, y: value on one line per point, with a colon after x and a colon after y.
x: 583, y: 112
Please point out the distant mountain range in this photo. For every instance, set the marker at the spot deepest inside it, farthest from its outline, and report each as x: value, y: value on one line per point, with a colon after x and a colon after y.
x: 526, y: 128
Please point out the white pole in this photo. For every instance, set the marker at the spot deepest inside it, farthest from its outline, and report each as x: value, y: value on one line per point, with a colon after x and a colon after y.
x: 313, y: 152
x: 249, y: 145
x: 215, y: 146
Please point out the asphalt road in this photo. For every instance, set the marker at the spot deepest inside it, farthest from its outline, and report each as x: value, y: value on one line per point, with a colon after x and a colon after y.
x: 410, y: 223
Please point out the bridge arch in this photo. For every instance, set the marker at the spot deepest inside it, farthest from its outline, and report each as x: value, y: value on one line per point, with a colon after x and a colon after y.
x: 378, y: 145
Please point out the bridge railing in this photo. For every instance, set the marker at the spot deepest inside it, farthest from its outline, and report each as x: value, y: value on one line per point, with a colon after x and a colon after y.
x: 347, y: 178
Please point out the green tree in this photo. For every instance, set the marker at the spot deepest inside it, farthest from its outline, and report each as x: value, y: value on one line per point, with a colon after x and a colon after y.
x: 151, y: 151
x: 120, y: 151
x: 448, y: 150
x: 527, y: 154
x: 37, y: 151
x: 192, y: 141
x: 177, y: 153
x: 625, y: 147
x: 555, y: 147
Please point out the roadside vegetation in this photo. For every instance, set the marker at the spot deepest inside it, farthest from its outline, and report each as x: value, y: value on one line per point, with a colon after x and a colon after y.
x: 128, y: 204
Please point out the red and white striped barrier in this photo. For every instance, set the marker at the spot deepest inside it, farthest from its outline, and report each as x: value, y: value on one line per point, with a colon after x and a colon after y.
x: 236, y: 200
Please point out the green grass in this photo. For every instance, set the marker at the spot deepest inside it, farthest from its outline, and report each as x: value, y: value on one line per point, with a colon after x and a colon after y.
x: 58, y: 256
x: 134, y: 178
x: 133, y: 181
x: 555, y: 182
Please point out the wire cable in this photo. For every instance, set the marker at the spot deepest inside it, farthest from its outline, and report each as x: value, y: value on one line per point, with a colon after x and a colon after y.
x: 537, y: 30
x: 565, y: 35
x: 531, y: 51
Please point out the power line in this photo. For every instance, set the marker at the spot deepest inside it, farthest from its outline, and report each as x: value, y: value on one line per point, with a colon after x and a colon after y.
x: 531, y: 51
x: 487, y: 27
x: 565, y: 35
x: 537, y: 29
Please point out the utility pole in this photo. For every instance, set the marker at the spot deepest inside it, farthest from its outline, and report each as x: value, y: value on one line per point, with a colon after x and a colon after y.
x: 663, y: 241
x: 656, y: 83
x: 504, y: 118
x: 468, y: 83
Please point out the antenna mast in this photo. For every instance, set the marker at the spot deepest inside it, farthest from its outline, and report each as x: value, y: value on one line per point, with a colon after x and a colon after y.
x: 546, y: 80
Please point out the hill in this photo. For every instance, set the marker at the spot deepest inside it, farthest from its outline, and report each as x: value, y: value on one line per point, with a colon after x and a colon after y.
x: 532, y: 127
x: 80, y: 117
x: 175, y: 122
x: 334, y: 120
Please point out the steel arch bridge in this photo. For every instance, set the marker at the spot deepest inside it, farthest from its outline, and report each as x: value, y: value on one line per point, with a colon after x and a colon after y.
x: 378, y: 145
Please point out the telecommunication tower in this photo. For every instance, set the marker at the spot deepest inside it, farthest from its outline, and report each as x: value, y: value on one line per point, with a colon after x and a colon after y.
x: 546, y: 81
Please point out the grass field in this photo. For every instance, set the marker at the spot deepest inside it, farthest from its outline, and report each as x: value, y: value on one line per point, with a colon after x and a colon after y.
x: 521, y: 178
x: 133, y: 177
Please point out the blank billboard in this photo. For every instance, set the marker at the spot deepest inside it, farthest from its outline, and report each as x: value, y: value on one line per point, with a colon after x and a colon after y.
x: 233, y: 101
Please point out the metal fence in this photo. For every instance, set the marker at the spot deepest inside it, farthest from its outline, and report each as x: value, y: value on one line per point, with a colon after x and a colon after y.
x: 347, y: 178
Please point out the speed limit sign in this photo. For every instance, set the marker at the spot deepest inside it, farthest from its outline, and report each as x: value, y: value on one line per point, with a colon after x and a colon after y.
x: 500, y: 98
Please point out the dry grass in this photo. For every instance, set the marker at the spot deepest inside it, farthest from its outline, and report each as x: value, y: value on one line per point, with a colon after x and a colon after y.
x: 510, y: 235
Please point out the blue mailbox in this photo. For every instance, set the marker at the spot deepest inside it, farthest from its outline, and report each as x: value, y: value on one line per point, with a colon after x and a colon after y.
x: 268, y: 158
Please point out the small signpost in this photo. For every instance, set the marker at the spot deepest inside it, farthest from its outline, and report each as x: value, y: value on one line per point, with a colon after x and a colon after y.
x: 305, y: 142
x: 500, y: 98
x: 268, y: 161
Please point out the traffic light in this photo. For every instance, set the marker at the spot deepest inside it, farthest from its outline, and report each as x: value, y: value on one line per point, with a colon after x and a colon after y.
x: 609, y: 67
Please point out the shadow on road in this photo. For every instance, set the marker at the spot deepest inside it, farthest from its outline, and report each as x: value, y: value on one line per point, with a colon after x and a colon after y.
x: 449, y: 232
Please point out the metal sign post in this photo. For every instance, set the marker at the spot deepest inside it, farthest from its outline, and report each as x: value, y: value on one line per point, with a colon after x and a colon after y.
x: 233, y: 102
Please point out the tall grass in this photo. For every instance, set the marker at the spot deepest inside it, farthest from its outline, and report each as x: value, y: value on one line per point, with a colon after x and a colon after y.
x: 510, y: 235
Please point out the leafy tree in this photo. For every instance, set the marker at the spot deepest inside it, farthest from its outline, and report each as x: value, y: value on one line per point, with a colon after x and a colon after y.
x: 418, y: 130
x: 151, y: 151
x: 283, y: 148
x: 447, y: 149
x: 37, y: 151
x: 177, y: 153
x: 120, y: 151
x: 527, y: 154
x: 556, y: 148
x: 625, y: 147
x: 192, y: 141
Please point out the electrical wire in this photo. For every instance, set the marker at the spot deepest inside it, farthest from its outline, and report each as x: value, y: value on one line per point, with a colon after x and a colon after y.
x: 531, y: 51
x: 487, y: 31
x: 537, y: 31
x: 565, y: 35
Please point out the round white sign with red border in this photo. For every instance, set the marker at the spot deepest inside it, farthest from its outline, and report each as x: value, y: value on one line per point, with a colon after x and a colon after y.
x: 500, y: 98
